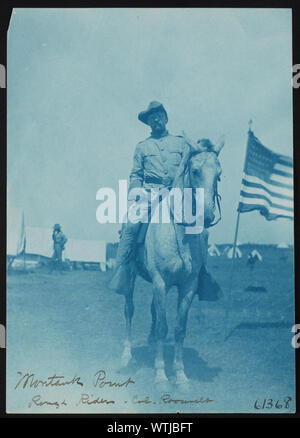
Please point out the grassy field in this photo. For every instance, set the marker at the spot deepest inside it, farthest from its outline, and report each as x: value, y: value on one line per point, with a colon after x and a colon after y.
x: 237, y: 350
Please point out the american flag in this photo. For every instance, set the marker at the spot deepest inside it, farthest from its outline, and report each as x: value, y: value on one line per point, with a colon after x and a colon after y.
x: 267, y: 183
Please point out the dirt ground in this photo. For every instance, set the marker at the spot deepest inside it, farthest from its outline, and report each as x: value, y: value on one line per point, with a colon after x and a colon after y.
x: 238, y: 354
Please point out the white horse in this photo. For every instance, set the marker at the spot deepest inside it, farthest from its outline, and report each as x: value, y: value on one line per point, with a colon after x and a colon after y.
x: 170, y: 258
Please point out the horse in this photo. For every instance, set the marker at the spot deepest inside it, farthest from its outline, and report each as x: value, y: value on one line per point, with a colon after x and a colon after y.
x: 167, y: 260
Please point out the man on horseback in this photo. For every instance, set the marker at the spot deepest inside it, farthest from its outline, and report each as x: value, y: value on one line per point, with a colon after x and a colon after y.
x: 155, y: 164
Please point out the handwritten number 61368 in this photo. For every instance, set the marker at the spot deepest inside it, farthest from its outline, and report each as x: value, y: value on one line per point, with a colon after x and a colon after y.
x: 269, y: 403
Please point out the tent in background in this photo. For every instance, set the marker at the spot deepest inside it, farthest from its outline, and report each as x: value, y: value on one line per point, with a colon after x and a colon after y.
x: 102, y: 266
x: 213, y: 250
x: 86, y: 251
x: 39, y: 241
x: 282, y: 245
x: 254, y: 253
x: 225, y: 250
x: 15, y: 231
x: 111, y: 263
x: 238, y: 253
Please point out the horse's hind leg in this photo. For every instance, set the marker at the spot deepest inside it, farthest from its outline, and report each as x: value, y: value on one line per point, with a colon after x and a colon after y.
x: 128, y: 312
x: 152, y: 335
x: 161, y: 327
x: 185, y: 298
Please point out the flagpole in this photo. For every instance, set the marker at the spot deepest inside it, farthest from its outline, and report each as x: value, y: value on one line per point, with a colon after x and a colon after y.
x: 229, y: 295
x: 235, y: 240
x: 229, y: 300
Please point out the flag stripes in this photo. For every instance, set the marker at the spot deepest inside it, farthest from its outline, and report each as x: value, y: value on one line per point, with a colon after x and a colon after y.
x: 267, y: 183
x: 252, y: 192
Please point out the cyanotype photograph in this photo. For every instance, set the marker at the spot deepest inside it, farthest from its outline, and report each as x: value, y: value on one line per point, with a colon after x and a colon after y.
x: 150, y: 224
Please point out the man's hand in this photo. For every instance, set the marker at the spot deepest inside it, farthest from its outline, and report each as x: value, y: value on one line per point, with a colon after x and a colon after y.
x: 132, y: 196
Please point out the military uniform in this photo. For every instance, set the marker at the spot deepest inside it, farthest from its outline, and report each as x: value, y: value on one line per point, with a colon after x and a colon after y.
x: 155, y: 164
x: 59, y: 241
x: 156, y: 161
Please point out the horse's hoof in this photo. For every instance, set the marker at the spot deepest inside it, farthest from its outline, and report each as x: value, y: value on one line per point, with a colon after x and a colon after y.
x: 125, y: 363
x: 181, y: 381
x: 161, y: 381
x: 125, y: 359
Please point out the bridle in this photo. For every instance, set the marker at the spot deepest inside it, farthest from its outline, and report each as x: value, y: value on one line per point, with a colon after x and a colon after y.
x: 217, y: 200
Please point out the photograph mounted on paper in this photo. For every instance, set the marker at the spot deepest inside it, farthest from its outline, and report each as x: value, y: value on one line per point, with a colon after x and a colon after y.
x: 150, y: 244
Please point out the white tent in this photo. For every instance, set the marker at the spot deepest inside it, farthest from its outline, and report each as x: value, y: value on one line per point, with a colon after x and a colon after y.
x: 226, y: 249
x: 213, y: 250
x: 86, y: 251
x: 254, y: 253
x: 111, y: 263
x: 238, y: 253
x: 282, y: 245
x: 39, y: 241
x: 15, y: 231
x: 102, y: 266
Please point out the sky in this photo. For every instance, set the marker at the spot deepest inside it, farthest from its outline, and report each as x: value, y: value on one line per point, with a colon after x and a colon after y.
x: 77, y: 79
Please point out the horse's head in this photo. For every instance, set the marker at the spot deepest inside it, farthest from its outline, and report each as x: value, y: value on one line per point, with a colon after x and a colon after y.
x: 205, y: 171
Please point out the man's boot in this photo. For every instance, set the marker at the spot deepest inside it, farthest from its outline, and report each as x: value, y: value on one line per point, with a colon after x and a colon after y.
x: 208, y: 289
x: 120, y: 282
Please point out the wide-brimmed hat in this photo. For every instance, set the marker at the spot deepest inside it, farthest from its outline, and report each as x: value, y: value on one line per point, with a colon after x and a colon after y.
x: 56, y: 227
x: 152, y: 107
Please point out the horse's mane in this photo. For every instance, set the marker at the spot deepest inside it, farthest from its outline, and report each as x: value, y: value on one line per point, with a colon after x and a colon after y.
x: 206, y: 143
x: 182, y: 177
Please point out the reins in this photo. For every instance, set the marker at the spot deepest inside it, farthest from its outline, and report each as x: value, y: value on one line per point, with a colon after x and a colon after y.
x: 218, y: 199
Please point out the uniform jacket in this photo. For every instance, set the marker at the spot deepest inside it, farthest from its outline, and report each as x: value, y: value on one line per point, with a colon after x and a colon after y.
x: 155, y: 161
x: 59, y: 238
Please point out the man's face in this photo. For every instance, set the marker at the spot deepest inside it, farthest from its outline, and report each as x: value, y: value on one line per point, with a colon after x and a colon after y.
x: 157, y: 120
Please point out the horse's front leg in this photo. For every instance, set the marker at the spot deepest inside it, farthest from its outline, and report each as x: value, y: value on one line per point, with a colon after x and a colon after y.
x: 161, y: 327
x: 128, y: 312
x: 185, y: 297
x: 152, y: 334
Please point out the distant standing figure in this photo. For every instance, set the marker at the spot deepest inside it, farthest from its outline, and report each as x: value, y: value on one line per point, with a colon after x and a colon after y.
x: 252, y: 259
x: 59, y: 241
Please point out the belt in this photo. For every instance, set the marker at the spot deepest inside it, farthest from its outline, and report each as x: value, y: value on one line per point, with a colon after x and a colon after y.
x: 165, y: 180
